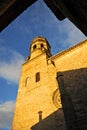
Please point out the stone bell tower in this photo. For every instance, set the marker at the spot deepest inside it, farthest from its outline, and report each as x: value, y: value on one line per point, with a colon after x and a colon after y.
x: 38, y: 105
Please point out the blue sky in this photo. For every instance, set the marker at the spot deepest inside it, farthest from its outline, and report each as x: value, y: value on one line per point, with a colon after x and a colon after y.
x: 15, y: 39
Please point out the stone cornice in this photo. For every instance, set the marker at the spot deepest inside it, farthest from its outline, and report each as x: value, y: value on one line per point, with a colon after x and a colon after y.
x: 67, y: 51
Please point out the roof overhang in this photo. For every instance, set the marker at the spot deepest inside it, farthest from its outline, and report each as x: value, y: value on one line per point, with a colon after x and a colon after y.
x: 10, y: 9
x: 74, y: 10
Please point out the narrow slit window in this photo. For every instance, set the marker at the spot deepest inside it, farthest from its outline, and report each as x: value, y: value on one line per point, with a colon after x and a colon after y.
x: 26, y: 81
x: 37, y: 76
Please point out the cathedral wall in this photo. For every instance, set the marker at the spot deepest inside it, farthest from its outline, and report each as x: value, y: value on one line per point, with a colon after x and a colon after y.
x: 34, y: 103
x: 73, y: 67
x: 72, y: 59
x: 38, y: 104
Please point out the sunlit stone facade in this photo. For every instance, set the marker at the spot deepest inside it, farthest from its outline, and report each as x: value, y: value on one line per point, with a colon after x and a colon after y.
x: 39, y: 100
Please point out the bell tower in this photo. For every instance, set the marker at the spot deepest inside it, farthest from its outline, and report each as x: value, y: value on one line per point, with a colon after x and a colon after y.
x: 38, y: 101
x: 38, y: 46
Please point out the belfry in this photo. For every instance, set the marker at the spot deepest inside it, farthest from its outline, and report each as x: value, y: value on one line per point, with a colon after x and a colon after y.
x: 43, y: 99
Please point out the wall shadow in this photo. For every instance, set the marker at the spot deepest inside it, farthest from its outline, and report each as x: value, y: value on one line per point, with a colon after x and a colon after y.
x: 73, y: 88
x: 55, y: 121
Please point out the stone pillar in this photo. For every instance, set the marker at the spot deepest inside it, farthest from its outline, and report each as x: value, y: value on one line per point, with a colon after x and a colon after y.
x: 68, y: 108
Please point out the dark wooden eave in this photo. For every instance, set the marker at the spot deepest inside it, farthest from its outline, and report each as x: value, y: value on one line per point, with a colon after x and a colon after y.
x: 10, y: 9
x: 74, y: 10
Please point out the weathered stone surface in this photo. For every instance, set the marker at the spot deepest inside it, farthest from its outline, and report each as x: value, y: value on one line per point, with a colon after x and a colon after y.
x: 35, y: 108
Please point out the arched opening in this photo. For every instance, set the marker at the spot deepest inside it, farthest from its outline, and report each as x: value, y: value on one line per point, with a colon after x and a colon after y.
x: 34, y: 47
x: 42, y: 45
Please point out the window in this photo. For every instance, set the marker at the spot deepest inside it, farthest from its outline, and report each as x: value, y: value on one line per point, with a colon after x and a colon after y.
x: 37, y: 76
x: 26, y: 81
x: 34, y: 47
x: 41, y: 45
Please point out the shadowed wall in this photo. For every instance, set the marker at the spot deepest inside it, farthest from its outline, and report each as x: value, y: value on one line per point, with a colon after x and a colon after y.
x: 73, y: 88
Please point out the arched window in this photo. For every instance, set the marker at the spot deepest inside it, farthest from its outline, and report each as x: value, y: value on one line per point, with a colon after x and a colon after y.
x: 34, y: 47
x: 41, y: 45
x: 37, y: 76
